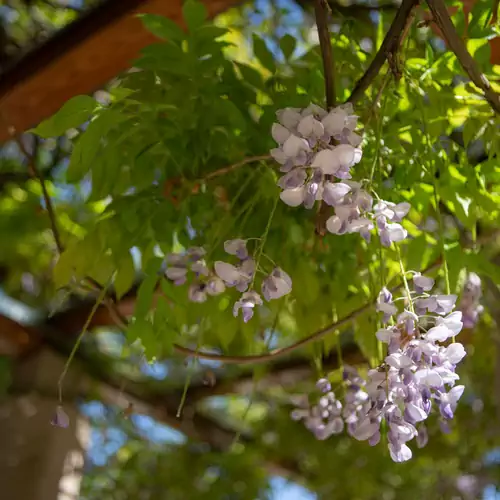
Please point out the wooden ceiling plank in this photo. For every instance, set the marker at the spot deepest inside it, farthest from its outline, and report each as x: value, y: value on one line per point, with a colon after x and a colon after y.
x: 81, y: 59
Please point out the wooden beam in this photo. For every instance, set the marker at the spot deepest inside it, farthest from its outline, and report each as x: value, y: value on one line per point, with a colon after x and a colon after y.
x: 81, y: 59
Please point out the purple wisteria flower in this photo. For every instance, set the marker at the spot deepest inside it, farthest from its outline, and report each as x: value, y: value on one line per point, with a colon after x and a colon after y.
x: 247, y: 303
x: 317, y: 151
x: 236, y: 247
x: 306, y: 151
x: 417, y: 373
x: 60, y: 418
x: 276, y: 285
x: 205, y: 282
x: 385, y: 305
x: 470, y: 301
x: 422, y: 283
x: 325, y: 417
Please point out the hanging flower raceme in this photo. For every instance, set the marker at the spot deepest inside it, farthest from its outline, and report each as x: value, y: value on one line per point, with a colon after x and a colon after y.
x: 417, y: 375
x: 306, y: 153
x: 242, y: 276
x: 324, y: 418
x: 317, y: 150
x: 355, y: 213
x: 204, y: 282
x: 469, y: 303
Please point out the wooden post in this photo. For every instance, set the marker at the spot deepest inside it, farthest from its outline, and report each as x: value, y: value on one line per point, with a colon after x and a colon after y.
x: 39, y: 461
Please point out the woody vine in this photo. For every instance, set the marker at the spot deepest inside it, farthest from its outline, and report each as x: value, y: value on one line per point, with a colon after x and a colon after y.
x: 318, y: 151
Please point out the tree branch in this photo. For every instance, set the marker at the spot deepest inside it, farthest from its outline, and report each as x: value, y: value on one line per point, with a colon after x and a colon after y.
x: 321, y: 12
x: 390, y: 45
x: 37, y: 174
x: 321, y: 9
x: 456, y: 44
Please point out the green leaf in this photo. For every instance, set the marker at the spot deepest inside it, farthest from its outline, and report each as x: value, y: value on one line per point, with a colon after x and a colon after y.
x: 471, y: 129
x: 210, y: 32
x: 162, y: 27
x: 194, y: 13
x: 251, y: 75
x: 478, y: 24
x: 147, y: 288
x: 125, y: 275
x: 162, y: 315
x: 287, y: 45
x: 142, y: 329
x: 479, y: 263
x: 74, y: 113
x: 263, y: 54
x: 479, y: 49
x: 88, y: 145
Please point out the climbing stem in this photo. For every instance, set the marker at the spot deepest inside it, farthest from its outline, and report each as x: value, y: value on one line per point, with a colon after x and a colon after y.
x: 100, y: 298
x: 405, y: 281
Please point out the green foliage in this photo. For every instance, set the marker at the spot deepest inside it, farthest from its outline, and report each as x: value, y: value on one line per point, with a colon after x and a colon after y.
x: 74, y: 113
x: 151, y: 162
x: 162, y: 27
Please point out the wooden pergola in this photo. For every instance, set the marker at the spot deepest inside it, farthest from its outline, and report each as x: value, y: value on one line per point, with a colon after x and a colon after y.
x: 84, y: 56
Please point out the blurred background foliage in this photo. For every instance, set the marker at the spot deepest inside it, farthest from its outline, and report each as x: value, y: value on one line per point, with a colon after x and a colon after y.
x: 130, y: 177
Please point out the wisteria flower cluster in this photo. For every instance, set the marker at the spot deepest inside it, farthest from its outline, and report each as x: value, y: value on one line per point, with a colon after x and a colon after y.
x: 317, y: 150
x: 417, y: 375
x: 241, y: 276
x: 469, y: 303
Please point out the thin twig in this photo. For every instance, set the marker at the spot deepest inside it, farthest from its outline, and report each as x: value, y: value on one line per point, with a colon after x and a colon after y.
x: 36, y: 173
x: 376, y: 101
x: 390, y: 44
x: 122, y: 322
x: 457, y: 45
x: 235, y: 166
x: 79, y: 340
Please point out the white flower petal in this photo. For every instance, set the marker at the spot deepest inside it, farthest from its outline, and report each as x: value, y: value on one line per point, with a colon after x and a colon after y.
x: 354, y: 139
x: 289, y: 117
x: 398, y: 360
x: 400, y: 454
x: 280, y: 134
x: 428, y: 377
x: 439, y: 333
x: 396, y: 232
x: 455, y: 394
x: 333, y: 193
x: 279, y: 155
x: 334, y: 224
x: 227, y: 272
x: 455, y: 353
x: 334, y: 121
x: 401, y: 209
x: 327, y: 160
x: 347, y: 155
x: 453, y: 321
x: 293, y: 197
x: 232, y: 246
x: 175, y: 273
x: 294, y: 145
x: 423, y: 282
x: 415, y: 412
x: 385, y: 335
x: 314, y: 109
x: 310, y: 127
x: 365, y: 430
